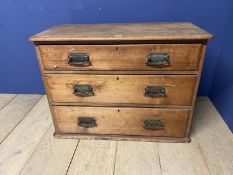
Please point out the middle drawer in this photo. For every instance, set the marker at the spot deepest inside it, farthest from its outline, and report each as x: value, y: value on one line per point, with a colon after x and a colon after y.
x: 122, y: 89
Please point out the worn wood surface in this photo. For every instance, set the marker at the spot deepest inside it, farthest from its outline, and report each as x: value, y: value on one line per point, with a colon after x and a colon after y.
x: 45, y: 85
x: 125, y: 121
x: 93, y: 158
x: 31, y: 149
x: 5, y: 99
x: 115, y: 137
x: 123, y: 32
x: 122, y: 48
x: 157, y: 72
x: 14, y: 113
x: 16, y: 149
x: 214, y: 138
x: 203, y: 52
x: 182, y: 159
x: 121, y: 57
x: 119, y: 105
x: 122, y: 88
x: 52, y: 156
x: 134, y: 158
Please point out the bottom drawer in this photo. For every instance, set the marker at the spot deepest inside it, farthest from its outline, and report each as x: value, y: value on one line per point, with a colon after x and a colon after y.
x: 123, y: 121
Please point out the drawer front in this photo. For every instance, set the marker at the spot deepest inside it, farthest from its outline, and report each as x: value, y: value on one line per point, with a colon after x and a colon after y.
x: 121, y: 57
x: 122, y: 89
x: 125, y: 121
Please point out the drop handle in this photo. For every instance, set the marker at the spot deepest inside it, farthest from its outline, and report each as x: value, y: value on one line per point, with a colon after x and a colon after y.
x: 155, y: 91
x: 153, y: 125
x: 79, y: 59
x: 86, y: 122
x: 158, y: 59
x: 83, y: 90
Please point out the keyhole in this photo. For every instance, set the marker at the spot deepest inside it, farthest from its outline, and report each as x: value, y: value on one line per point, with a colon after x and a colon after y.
x: 117, y: 78
x: 117, y: 48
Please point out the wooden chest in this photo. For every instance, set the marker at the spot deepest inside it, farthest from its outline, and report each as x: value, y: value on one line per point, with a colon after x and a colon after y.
x: 122, y: 81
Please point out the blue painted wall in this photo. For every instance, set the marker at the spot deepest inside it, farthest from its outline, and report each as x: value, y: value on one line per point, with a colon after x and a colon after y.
x: 19, y: 71
x: 222, y: 87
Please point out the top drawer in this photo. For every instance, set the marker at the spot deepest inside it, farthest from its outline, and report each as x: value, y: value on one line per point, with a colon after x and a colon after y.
x: 121, y: 57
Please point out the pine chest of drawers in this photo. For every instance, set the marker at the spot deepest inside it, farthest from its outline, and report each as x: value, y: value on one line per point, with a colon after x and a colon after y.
x: 122, y: 81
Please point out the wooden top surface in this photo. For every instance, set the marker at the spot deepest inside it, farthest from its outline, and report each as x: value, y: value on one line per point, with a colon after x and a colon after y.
x: 122, y: 32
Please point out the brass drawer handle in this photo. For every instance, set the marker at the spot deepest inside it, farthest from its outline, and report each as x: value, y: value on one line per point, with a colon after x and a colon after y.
x: 153, y: 125
x: 87, y: 122
x: 83, y: 90
x: 78, y: 59
x: 158, y: 59
x: 155, y: 91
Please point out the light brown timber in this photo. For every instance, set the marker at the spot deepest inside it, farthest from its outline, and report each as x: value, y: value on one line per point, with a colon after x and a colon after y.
x: 125, y: 121
x: 122, y: 88
x: 121, y: 57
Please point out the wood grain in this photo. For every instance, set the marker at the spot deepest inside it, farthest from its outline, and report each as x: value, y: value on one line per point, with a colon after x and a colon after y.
x: 16, y: 149
x: 123, y: 137
x: 196, y: 87
x: 137, y: 158
x: 93, y: 158
x: 121, y: 57
x: 211, y: 148
x: 214, y: 137
x: 5, y: 99
x: 121, y: 105
x: 14, y: 112
x: 122, y: 88
x: 122, y: 32
x: 182, y: 159
x: 125, y: 121
x: 119, y: 74
x: 45, y: 84
x: 131, y: 72
x: 51, y: 157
